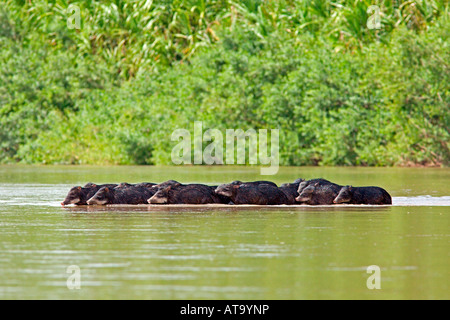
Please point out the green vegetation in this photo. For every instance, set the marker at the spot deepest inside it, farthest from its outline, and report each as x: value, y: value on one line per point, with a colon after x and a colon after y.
x: 113, y: 91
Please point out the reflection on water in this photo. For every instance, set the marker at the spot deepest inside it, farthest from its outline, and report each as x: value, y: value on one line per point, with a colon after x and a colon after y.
x: 218, y: 251
x: 216, y: 208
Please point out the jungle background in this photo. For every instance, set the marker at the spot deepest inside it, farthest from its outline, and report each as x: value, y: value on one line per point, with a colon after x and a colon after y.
x: 113, y: 90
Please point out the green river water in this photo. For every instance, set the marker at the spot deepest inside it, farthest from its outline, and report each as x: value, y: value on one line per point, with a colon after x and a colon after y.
x: 228, y: 252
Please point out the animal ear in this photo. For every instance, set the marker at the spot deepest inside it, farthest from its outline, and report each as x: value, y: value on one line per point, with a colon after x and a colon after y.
x: 79, y: 188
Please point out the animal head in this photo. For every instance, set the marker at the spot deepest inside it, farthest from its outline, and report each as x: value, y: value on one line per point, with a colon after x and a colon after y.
x: 102, y: 197
x: 306, y: 194
x: 74, y: 196
x: 345, y: 195
x: 227, y: 190
x: 302, y: 185
x: 90, y: 185
x: 160, y: 197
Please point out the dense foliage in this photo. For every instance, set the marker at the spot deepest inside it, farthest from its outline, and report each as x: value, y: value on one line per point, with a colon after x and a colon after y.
x: 113, y: 91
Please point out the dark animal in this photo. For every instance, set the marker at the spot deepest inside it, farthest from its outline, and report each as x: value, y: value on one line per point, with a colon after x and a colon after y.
x: 258, y: 194
x: 223, y: 199
x: 255, y: 183
x: 80, y: 195
x: 146, y: 184
x: 363, y: 195
x: 124, y: 185
x: 138, y: 185
x: 291, y: 190
x: 122, y: 195
x: 317, y: 192
x: 90, y: 185
x: 185, y: 194
x: 319, y: 182
x: 169, y: 183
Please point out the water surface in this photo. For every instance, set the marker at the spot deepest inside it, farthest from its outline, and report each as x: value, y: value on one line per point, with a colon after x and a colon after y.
x: 223, y: 252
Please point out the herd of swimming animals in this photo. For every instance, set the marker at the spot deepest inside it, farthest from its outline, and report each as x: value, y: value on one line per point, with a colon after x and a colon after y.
x: 307, y: 192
